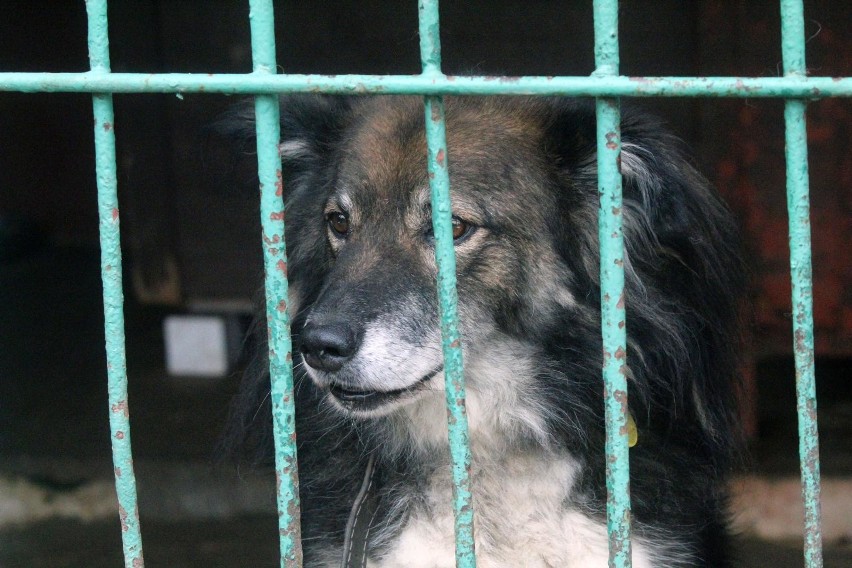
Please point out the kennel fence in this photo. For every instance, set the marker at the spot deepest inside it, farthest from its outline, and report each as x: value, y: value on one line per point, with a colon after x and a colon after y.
x: 606, y: 84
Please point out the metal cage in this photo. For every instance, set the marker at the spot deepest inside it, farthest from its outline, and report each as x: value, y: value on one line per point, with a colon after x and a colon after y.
x: 606, y: 84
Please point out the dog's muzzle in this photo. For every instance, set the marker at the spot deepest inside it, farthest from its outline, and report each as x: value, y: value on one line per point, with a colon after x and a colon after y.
x: 328, y: 347
x: 364, y: 400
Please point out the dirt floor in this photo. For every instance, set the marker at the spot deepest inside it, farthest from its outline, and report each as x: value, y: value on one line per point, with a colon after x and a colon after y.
x: 54, y: 437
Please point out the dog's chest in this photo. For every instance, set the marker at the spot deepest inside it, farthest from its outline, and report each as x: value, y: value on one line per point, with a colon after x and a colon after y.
x: 521, y: 521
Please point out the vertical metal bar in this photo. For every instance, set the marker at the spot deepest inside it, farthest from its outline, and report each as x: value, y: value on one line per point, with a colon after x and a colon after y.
x: 439, y: 181
x: 798, y: 204
x: 613, y: 328
x: 275, y: 269
x: 119, y: 414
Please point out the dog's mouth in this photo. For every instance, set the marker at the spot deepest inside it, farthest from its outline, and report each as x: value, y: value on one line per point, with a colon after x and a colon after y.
x: 363, y: 400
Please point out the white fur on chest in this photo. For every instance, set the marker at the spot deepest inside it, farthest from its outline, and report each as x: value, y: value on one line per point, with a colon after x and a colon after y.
x: 521, y: 521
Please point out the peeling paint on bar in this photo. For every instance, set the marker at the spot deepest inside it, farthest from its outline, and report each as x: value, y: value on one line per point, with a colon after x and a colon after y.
x: 430, y: 84
x: 798, y: 204
x: 614, y: 334
x: 439, y: 181
x: 108, y: 214
x: 275, y: 270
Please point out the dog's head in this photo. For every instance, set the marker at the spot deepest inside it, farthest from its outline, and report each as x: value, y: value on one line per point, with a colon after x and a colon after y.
x: 370, y: 334
x: 524, y: 205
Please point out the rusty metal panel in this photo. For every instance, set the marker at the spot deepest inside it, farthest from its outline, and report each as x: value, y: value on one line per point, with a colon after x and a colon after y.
x: 275, y: 270
x: 439, y: 181
x: 613, y: 315
x: 798, y: 205
x: 119, y: 409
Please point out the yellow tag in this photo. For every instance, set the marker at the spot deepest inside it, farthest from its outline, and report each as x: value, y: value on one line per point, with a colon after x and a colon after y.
x: 632, y: 431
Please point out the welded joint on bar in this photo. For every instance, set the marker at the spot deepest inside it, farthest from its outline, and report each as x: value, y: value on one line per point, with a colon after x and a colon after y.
x: 604, y: 71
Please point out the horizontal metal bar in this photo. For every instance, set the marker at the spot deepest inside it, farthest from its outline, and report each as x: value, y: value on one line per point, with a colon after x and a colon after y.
x: 431, y: 84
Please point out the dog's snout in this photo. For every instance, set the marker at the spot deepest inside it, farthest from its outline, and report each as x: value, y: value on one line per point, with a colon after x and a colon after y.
x: 328, y: 347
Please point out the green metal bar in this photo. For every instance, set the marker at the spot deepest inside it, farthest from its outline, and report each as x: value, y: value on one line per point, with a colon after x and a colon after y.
x: 798, y: 204
x: 439, y: 181
x: 105, y: 165
x: 267, y: 84
x: 613, y: 329
x: 275, y: 269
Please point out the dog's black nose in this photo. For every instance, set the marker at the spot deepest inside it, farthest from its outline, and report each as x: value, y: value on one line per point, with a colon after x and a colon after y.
x: 328, y: 347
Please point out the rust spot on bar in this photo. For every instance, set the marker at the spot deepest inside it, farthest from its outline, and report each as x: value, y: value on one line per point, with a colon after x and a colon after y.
x: 107, y: 126
x: 278, y: 216
x: 122, y: 515
x: 282, y: 266
x: 117, y: 471
x: 440, y: 157
x: 115, y: 213
x: 138, y: 563
x: 121, y: 406
x: 289, y: 357
x: 455, y: 344
x: 811, y: 409
x: 800, y: 342
x: 620, y: 304
x: 611, y: 137
x: 619, y: 353
x: 273, y: 241
x: 119, y: 435
x: 292, y: 510
x: 621, y: 324
x: 621, y: 397
x: 279, y: 184
x: 740, y: 86
x: 282, y: 306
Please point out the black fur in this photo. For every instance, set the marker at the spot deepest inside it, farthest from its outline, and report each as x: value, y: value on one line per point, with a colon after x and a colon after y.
x: 683, y: 283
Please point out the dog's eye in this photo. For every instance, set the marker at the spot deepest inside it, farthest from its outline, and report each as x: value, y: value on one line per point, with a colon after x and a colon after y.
x: 460, y: 228
x: 339, y: 222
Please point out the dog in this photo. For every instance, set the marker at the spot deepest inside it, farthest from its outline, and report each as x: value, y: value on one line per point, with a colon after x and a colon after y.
x: 371, y: 414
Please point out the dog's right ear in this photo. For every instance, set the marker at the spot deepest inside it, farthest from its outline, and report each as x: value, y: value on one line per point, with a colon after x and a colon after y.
x: 310, y: 125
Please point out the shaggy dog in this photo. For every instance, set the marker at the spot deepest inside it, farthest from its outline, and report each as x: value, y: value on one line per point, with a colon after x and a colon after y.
x: 371, y: 417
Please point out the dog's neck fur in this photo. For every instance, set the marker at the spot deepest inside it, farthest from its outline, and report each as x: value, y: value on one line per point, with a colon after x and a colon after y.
x: 500, y: 395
